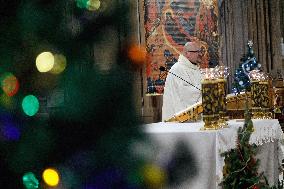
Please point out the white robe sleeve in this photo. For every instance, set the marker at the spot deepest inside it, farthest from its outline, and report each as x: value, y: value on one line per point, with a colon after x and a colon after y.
x: 178, y: 94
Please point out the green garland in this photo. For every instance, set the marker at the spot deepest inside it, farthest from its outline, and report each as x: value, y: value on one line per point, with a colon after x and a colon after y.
x: 241, y: 165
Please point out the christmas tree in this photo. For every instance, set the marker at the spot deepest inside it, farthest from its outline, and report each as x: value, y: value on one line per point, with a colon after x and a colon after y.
x: 248, y: 63
x: 86, y: 142
x: 241, y: 166
x: 67, y: 117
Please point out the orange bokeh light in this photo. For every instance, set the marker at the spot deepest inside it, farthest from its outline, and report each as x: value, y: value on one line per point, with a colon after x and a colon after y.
x: 9, y: 84
x: 137, y: 54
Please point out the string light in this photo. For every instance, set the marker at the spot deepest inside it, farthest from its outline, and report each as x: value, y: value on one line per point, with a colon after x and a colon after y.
x: 30, y: 181
x: 93, y: 5
x: 30, y: 105
x: 45, y: 61
x: 137, y: 54
x: 81, y: 3
x: 9, y: 84
x: 11, y: 132
x: 154, y: 176
x: 59, y: 64
x: 50, y: 177
x: 6, y: 101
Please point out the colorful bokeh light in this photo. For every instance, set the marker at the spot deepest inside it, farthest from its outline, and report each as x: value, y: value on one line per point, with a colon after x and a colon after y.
x: 93, y: 5
x: 59, y: 64
x: 137, y: 54
x: 8, y: 127
x: 82, y: 3
x: 30, y: 181
x: 45, y: 61
x: 9, y: 84
x: 154, y: 176
x: 6, y: 101
x: 50, y: 177
x: 11, y: 132
x: 30, y: 105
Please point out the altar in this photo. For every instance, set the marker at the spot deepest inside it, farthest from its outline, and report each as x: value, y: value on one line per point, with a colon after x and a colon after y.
x: 206, y: 169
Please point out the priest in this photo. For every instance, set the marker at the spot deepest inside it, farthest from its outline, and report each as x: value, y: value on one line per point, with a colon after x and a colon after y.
x: 183, y: 82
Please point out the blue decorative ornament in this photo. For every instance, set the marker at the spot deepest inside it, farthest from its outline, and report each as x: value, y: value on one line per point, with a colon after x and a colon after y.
x: 248, y: 63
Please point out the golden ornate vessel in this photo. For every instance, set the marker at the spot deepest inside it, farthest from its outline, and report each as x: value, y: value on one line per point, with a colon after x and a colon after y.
x: 210, y: 99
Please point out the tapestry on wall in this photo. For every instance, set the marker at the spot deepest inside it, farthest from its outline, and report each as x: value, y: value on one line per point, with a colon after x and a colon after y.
x: 169, y: 24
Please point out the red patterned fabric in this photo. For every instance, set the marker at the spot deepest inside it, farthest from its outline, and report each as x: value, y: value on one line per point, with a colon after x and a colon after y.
x: 169, y: 24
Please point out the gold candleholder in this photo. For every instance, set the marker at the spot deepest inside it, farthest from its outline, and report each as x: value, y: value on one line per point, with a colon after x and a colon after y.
x: 222, y: 106
x: 260, y: 99
x: 210, y: 97
x: 210, y: 122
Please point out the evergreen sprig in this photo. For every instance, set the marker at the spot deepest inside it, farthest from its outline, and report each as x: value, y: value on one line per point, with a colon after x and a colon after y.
x: 241, y: 166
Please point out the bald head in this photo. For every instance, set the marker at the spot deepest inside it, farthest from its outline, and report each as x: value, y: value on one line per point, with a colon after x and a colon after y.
x: 192, y: 51
x: 191, y: 46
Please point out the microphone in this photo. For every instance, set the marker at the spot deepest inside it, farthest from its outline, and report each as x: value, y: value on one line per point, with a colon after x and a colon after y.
x: 162, y: 68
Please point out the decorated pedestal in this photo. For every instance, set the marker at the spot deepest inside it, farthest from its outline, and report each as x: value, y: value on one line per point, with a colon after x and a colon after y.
x: 222, y: 108
x: 210, y: 97
x: 279, y: 100
x: 222, y: 74
x: 260, y: 95
x: 214, y: 97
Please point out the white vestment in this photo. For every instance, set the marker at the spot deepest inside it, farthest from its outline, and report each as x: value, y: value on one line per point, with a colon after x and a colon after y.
x: 178, y: 94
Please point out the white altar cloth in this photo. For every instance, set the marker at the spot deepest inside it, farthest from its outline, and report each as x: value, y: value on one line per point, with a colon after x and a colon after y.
x: 207, y: 146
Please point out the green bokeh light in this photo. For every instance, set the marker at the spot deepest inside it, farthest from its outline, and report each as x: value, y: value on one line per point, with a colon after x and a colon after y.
x: 59, y: 64
x: 82, y: 3
x: 30, y: 105
x: 30, y: 181
x: 93, y: 5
